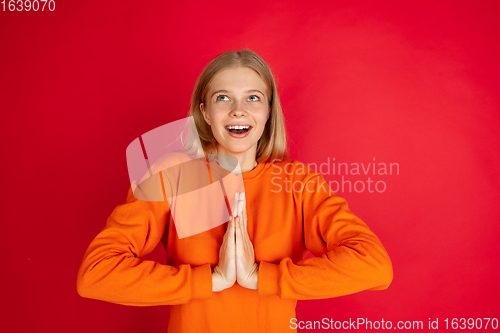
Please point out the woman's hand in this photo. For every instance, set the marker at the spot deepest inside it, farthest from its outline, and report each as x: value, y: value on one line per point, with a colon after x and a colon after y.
x: 224, y: 274
x: 236, y: 254
x: 246, y: 267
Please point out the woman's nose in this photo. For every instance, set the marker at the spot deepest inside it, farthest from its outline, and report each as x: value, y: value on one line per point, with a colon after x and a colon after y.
x: 238, y: 109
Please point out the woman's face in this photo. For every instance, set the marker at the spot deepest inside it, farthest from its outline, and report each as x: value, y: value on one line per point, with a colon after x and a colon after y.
x: 236, y: 97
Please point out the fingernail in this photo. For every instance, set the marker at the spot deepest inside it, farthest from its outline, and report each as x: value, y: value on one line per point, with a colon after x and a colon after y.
x: 242, y: 197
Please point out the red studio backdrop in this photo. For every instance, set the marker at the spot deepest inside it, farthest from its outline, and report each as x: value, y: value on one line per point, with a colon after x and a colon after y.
x: 409, y: 85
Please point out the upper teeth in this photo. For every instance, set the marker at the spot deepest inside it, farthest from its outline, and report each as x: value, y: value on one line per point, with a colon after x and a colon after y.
x: 238, y: 127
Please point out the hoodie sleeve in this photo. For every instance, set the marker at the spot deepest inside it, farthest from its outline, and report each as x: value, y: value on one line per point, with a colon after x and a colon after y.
x: 348, y: 256
x: 112, y: 269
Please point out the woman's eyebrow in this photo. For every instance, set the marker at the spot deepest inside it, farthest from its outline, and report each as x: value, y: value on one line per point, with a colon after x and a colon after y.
x: 254, y: 90
x: 218, y: 91
x: 227, y: 91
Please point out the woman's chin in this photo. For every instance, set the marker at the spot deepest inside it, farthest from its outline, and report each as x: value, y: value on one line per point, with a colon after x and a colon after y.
x: 234, y: 149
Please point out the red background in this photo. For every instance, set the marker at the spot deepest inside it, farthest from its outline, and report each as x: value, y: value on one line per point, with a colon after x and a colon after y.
x: 413, y: 83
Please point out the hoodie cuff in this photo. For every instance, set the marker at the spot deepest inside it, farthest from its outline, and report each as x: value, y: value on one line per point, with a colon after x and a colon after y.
x: 201, y: 281
x: 268, y: 279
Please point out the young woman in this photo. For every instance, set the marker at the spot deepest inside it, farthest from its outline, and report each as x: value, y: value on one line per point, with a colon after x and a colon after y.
x: 245, y: 275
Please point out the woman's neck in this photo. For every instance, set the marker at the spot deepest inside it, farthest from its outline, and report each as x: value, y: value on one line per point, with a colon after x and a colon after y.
x: 246, y: 160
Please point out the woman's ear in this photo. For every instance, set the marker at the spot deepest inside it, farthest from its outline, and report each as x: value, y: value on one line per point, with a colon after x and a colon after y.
x: 203, y: 112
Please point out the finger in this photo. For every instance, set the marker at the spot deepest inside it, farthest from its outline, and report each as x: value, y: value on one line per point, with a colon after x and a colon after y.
x: 235, y: 241
x: 230, y: 224
x: 234, y: 210
x: 245, y: 218
x: 239, y: 235
x: 234, y: 203
x: 242, y: 210
x: 232, y: 232
x: 242, y: 202
x: 240, y: 205
x: 242, y: 216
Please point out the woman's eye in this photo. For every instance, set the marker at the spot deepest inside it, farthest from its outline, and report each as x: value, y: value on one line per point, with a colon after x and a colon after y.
x: 217, y: 98
x: 256, y: 97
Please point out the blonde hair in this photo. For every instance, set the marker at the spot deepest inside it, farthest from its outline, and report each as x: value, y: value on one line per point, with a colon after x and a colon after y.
x: 273, y: 143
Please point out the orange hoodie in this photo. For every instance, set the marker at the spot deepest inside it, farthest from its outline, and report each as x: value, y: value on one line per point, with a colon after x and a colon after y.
x: 291, y: 211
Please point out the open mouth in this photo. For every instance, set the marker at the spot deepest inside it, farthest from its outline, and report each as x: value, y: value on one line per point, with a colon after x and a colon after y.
x: 238, y: 129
